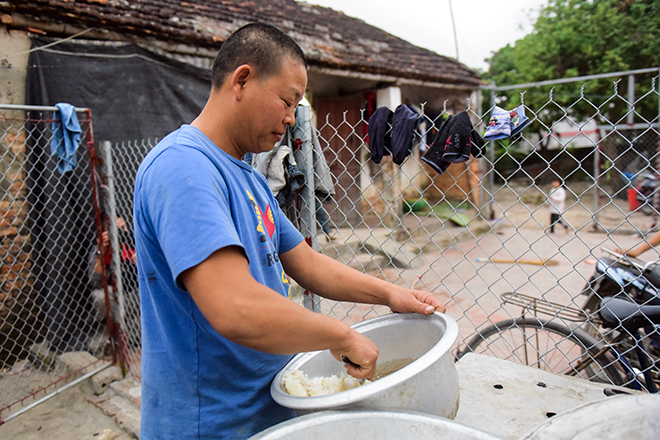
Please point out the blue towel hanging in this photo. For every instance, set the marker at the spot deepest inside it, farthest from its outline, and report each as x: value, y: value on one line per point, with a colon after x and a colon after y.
x: 66, y: 137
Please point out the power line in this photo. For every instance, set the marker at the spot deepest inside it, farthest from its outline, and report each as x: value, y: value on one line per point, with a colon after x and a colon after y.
x: 453, y: 25
x: 47, y: 45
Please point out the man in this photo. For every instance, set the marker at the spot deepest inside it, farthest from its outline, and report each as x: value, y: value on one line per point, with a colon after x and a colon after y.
x: 214, y: 252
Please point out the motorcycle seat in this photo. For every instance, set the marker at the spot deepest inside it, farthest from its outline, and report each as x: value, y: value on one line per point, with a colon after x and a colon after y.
x: 618, y: 312
x: 653, y: 275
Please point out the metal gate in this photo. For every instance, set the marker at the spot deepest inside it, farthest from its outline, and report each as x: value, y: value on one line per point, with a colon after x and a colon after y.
x: 50, y: 322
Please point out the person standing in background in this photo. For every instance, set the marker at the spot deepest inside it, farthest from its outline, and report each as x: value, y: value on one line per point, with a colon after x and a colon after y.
x: 556, y: 203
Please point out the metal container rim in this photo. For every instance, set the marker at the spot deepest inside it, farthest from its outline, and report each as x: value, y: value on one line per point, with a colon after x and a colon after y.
x: 441, y: 348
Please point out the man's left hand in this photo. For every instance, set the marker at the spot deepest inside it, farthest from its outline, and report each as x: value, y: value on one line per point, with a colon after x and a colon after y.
x: 402, y: 300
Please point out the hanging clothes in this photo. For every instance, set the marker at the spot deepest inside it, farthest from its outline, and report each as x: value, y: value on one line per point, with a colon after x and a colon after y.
x: 324, y: 187
x: 454, y: 143
x: 404, y: 122
x: 379, y: 137
x: 279, y: 167
x: 392, y: 133
x: 284, y: 166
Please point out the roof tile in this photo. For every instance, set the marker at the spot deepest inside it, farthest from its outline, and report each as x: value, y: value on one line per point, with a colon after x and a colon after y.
x: 329, y: 38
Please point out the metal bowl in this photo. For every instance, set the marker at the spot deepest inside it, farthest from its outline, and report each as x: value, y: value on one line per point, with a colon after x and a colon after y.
x: 428, y: 385
x: 361, y: 425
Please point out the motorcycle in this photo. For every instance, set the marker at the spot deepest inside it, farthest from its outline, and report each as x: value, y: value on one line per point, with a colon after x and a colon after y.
x: 625, y: 277
x: 634, y: 281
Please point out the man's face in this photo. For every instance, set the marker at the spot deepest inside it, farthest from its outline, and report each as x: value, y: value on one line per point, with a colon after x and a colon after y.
x: 270, y: 105
x: 555, y: 184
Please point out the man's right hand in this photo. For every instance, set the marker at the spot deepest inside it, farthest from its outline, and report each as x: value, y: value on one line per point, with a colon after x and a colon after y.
x: 361, y: 351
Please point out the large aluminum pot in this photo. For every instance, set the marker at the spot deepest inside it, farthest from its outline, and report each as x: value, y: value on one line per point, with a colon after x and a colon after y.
x: 428, y: 385
x: 364, y: 425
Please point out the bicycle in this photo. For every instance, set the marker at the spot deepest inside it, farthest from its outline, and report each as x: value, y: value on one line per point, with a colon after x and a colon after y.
x: 554, y: 346
x: 547, y: 345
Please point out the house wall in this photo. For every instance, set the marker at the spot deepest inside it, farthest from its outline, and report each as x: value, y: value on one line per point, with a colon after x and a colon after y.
x: 15, y: 258
x: 13, y: 70
x: 341, y: 140
x: 459, y: 183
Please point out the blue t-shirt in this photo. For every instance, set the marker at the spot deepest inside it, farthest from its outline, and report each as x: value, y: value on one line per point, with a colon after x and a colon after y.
x: 191, y: 199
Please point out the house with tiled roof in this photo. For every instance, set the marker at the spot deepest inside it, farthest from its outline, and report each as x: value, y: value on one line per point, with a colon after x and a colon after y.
x: 353, y: 66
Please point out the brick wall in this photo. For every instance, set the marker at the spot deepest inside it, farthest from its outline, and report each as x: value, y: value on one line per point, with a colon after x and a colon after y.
x: 21, y: 322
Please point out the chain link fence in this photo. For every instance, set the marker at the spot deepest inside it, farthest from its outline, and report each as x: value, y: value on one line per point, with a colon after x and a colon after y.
x: 50, y: 320
x: 120, y: 163
x: 478, y: 236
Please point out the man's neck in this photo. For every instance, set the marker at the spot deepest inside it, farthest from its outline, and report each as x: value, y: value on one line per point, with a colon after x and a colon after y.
x: 213, y: 125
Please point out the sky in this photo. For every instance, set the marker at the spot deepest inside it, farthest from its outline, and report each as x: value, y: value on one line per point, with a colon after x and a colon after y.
x: 482, y: 26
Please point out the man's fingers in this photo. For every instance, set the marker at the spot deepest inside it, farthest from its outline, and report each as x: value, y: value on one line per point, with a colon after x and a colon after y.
x: 359, y: 371
x: 440, y: 308
x: 430, y: 304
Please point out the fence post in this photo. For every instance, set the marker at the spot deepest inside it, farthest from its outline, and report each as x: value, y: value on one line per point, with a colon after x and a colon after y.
x: 596, y: 185
x: 491, y: 171
x: 480, y: 195
x: 303, y: 131
x: 308, y: 208
x: 630, y: 119
x: 486, y: 164
x: 114, y: 235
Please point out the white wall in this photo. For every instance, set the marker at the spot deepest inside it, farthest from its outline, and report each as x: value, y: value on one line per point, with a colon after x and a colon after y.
x: 13, y: 69
x: 388, y: 97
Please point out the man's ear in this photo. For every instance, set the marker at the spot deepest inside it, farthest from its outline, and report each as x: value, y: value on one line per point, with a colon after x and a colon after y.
x: 239, y: 79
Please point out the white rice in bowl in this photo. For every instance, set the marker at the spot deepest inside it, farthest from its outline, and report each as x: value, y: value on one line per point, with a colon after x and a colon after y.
x: 297, y: 383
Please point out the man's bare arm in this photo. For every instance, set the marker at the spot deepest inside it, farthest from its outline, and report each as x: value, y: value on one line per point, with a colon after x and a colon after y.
x: 334, y: 280
x: 253, y: 315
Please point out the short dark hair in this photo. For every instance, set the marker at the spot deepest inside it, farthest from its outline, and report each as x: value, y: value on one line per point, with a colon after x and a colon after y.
x: 262, y: 46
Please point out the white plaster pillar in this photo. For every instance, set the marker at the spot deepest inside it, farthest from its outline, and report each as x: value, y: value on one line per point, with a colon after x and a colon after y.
x: 389, y: 97
x: 387, y: 178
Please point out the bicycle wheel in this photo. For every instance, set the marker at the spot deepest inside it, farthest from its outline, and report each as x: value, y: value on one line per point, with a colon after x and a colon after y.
x: 549, y: 346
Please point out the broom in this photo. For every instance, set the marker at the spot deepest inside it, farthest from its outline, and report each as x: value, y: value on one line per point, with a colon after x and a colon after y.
x: 536, y: 262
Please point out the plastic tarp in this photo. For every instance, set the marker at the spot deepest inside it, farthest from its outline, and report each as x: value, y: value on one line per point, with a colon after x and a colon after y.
x: 134, y: 94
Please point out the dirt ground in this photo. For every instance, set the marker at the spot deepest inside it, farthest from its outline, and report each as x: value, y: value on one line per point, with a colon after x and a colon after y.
x: 472, y: 289
x: 66, y: 416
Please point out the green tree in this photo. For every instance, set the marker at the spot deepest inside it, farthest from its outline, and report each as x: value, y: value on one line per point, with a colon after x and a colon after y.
x: 574, y: 38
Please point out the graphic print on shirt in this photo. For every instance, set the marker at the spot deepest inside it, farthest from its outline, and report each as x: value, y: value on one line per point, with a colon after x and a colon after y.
x: 266, y: 223
x: 285, y: 283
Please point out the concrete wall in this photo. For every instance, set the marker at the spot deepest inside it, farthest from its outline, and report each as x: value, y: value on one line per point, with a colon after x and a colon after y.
x: 13, y: 65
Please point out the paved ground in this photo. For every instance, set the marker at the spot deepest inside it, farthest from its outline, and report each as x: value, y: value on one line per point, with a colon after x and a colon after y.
x: 447, y: 256
x: 471, y: 289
